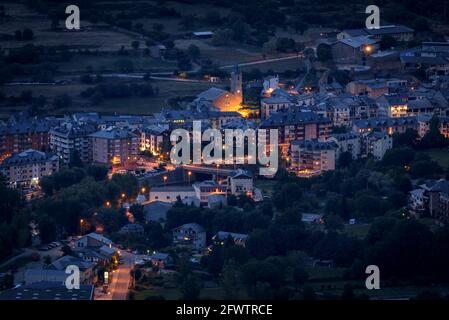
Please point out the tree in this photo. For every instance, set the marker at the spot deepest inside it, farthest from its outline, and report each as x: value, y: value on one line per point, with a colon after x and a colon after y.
x: 137, y: 212
x: 398, y: 157
x: 158, y: 27
x: 425, y: 169
x: 348, y: 292
x: 212, y: 18
x: 324, y: 52
x: 269, y: 47
x: 190, y: 288
x: 288, y: 195
x: 62, y: 101
x: 98, y: 172
x: 333, y: 222
x: 135, y: 44
x: 345, y: 159
x: 368, y: 205
x: 18, y: 35
x: 27, y: 34
x: 406, y: 139
x: 300, y: 276
x: 187, y: 21
x: 66, y: 250
x: 433, y: 138
x: 309, y: 293
x: 242, y: 31
x: 299, y: 25
x: 47, y: 260
x: 285, y: 44
x: 194, y: 52
x: 231, y: 280
x: 222, y: 37
x: 260, y: 244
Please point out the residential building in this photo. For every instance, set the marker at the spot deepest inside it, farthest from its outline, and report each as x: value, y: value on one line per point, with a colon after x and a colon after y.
x: 398, y: 32
x: 238, y: 239
x: 347, y: 142
x: 295, y: 124
x: 241, y: 183
x: 24, y: 134
x: 312, y: 218
x: 93, y: 240
x: 353, y: 50
x: 157, y: 210
x: 152, y: 138
x: 312, y: 157
x: 38, y: 275
x: 205, y: 188
x: 113, y: 146
x: 436, y: 199
x: 70, y: 141
x: 376, y: 143
x: 171, y: 194
x: 385, y: 124
x: 192, y: 235
x: 87, y: 273
x: 161, y: 260
x: 26, y: 168
x: 376, y: 87
x: 392, y: 105
x: 423, y: 125
x: 133, y: 229
x: 273, y: 104
x: 216, y: 201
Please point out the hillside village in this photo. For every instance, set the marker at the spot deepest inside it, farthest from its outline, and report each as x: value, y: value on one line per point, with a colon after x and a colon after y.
x: 362, y: 117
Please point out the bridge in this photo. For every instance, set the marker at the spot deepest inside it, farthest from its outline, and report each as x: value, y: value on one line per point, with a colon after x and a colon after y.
x: 221, y: 172
x: 187, y: 174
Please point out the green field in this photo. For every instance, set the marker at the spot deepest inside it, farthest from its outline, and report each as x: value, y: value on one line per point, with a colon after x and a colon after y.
x: 175, y: 293
x: 101, y: 36
x: 357, y: 230
x: 277, y: 66
x: 135, y: 105
x: 107, y: 63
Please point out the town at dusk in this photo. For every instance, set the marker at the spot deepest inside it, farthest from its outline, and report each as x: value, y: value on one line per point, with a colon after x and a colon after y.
x: 219, y: 158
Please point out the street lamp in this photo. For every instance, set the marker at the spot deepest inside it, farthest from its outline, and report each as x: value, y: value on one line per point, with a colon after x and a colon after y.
x: 143, y: 190
x: 189, y: 175
x: 165, y: 179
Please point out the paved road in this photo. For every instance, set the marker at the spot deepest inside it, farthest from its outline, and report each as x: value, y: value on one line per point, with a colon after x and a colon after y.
x: 118, y: 289
x: 295, y: 56
x: 123, y: 278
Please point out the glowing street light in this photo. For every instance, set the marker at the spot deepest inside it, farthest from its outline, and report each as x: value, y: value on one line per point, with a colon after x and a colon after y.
x: 165, y: 179
x: 368, y: 49
x: 189, y: 174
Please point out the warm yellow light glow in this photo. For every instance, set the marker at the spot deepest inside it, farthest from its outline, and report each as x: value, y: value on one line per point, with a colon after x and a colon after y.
x: 368, y: 49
